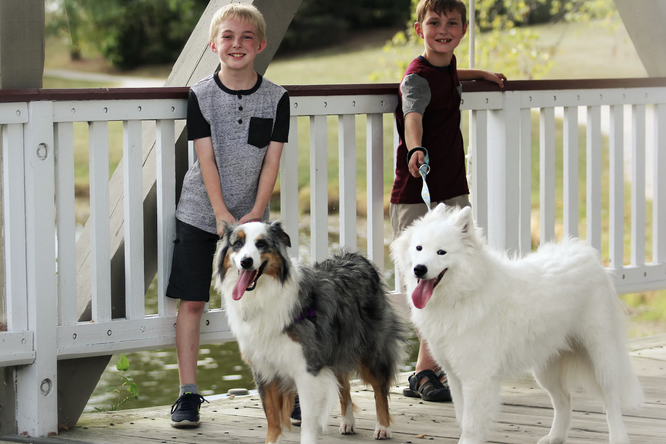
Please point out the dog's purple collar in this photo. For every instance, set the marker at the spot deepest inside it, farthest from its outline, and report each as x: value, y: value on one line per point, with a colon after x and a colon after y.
x: 310, y: 313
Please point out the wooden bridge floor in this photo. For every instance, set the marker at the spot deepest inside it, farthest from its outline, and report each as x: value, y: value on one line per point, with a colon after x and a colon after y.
x: 526, y: 416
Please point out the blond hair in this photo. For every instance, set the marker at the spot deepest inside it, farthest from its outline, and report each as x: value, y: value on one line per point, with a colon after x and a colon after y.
x: 440, y: 7
x: 242, y: 12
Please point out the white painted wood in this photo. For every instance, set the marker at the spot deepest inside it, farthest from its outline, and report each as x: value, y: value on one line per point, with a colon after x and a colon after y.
x: 11, y: 113
x: 16, y: 348
x: 36, y: 384
x: 547, y: 180
x: 91, y: 339
x: 481, y: 101
x: 479, y: 168
x: 638, y: 186
x: 289, y: 187
x: 593, y: 97
x: 594, y: 176
x: 570, y: 171
x: 119, y: 110
x: 337, y: 105
x: 659, y: 186
x: 525, y: 186
x: 99, y: 220
x: 504, y: 174
x: 633, y: 279
x: 347, y: 180
x: 318, y: 188
x: 166, y: 212
x: 66, y: 220
x: 375, y: 188
x: 133, y: 206
x: 14, y: 214
x: 191, y: 153
x: 616, y: 187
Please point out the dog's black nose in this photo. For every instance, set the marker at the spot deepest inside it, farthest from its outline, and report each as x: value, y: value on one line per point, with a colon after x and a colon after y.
x: 420, y: 271
x: 246, y: 263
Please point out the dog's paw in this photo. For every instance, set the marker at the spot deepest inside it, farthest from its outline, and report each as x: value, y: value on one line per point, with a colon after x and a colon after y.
x: 551, y: 440
x: 348, y: 425
x: 382, y: 432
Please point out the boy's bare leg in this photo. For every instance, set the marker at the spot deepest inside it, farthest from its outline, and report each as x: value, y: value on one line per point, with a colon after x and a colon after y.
x: 188, y: 329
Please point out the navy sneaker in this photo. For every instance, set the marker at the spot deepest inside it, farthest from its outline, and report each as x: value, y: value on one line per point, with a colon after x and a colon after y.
x: 185, y: 411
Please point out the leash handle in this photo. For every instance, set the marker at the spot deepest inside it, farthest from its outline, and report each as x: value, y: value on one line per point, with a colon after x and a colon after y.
x: 424, y: 169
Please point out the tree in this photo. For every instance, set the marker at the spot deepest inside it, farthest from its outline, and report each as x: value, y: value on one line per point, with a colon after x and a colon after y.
x: 504, y: 42
x: 129, y: 33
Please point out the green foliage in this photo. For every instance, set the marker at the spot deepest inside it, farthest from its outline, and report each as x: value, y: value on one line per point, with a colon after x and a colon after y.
x: 128, y: 33
x: 504, y: 42
x: 324, y: 22
x: 128, y: 389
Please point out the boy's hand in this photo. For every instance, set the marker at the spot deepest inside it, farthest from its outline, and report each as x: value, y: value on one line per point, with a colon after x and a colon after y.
x: 417, y: 159
x: 496, y: 77
x: 251, y: 216
x: 221, y: 219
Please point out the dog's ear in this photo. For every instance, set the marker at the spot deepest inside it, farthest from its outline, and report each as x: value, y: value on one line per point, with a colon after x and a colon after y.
x: 227, y: 231
x: 440, y: 209
x: 276, y: 227
x: 465, y: 220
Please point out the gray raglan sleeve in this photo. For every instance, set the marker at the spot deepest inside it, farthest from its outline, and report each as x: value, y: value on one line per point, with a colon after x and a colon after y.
x: 415, y: 94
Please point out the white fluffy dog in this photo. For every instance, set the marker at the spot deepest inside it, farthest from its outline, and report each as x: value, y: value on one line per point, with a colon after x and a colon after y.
x: 487, y: 317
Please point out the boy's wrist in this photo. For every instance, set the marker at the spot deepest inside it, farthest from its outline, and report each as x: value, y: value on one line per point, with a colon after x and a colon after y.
x: 415, y: 149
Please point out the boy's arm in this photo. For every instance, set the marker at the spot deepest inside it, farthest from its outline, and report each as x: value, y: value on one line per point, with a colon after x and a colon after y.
x: 413, y: 138
x: 211, y: 179
x: 267, y: 178
x: 481, y: 74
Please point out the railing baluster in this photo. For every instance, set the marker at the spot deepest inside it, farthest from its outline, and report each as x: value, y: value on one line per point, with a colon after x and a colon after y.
x: 638, y: 186
x: 134, y: 277
x: 166, y: 211
x: 14, y: 214
x: 66, y: 227
x: 289, y: 186
x: 659, y: 186
x: 594, y: 176
x: 479, y: 168
x: 525, y: 185
x: 616, y: 187
x: 570, y: 171
x: 375, y: 187
x: 99, y: 216
x: 547, y: 180
x: 347, y: 179
x: 318, y: 188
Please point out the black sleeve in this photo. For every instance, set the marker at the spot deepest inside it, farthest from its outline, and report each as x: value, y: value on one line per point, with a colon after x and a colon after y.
x: 281, y: 127
x: 197, y: 125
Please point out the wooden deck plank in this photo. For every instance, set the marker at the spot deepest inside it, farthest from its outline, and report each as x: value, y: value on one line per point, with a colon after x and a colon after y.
x: 526, y: 416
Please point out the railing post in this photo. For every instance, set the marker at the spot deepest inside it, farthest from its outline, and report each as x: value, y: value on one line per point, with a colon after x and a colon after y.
x: 37, y: 406
x: 375, y: 186
x: 659, y: 186
x: 504, y: 173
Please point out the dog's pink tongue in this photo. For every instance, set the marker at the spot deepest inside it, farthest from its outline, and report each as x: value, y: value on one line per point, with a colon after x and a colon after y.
x: 245, y: 278
x: 422, y: 293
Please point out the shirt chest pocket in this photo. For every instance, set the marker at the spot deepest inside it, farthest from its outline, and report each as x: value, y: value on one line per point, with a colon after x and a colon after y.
x: 260, y: 131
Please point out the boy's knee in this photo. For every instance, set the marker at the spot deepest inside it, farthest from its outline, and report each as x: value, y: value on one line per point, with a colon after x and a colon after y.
x: 191, y: 307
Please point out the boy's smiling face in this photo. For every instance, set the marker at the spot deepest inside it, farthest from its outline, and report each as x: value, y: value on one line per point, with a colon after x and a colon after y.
x: 441, y: 34
x: 236, y: 44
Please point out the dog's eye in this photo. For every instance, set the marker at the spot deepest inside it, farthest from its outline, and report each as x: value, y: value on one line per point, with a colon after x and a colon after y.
x: 261, y: 244
x: 441, y: 252
x: 419, y: 248
x: 238, y: 245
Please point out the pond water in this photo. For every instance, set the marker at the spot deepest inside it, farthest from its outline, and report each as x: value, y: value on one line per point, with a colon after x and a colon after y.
x: 220, y: 367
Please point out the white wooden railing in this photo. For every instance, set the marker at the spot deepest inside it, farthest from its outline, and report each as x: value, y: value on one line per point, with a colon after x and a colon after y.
x: 40, y: 287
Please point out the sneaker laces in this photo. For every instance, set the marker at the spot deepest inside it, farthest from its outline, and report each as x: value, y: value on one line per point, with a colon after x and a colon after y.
x: 188, y: 401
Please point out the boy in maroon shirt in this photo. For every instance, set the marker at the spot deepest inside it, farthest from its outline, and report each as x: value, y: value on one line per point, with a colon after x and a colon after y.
x: 428, y: 122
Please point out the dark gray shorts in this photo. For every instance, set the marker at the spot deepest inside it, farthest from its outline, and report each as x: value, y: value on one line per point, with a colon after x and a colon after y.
x: 192, y: 264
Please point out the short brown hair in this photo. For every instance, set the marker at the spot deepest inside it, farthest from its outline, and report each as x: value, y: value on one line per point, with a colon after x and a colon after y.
x: 440, y: 7
x: 243, y: 12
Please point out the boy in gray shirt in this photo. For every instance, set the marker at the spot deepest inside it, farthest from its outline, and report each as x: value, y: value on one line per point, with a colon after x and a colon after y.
x: 239, y: 122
